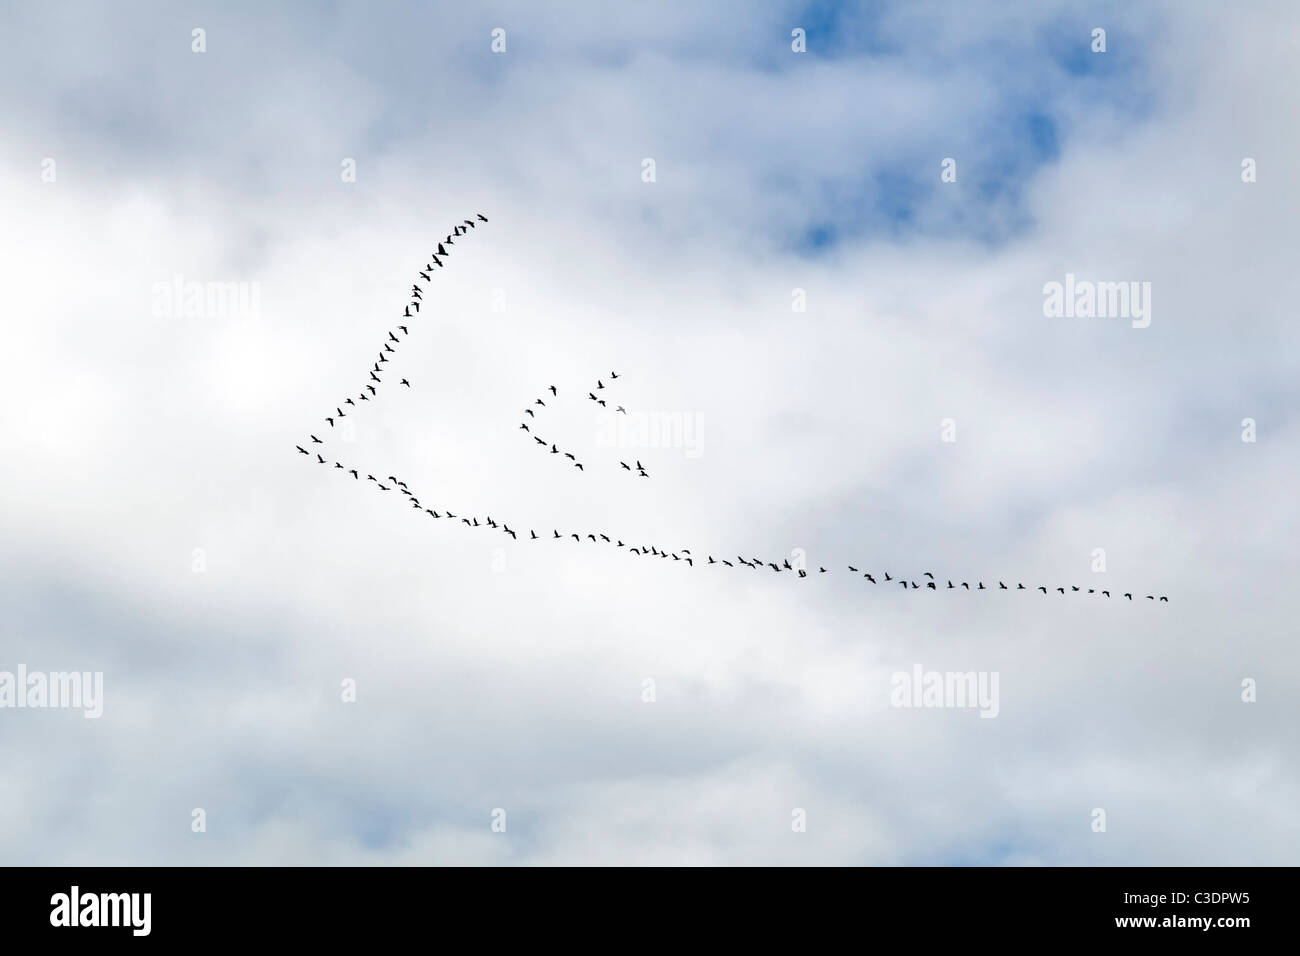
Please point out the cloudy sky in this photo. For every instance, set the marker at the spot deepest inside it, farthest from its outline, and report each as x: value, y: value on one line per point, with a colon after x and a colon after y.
x: 157, y: 525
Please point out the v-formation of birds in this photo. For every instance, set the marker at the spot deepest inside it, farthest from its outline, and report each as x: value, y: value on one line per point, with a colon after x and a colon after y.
x: 926, y: 581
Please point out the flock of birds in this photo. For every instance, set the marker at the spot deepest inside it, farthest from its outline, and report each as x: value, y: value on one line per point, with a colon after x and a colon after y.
x: 532, y: 415
x: 925, y: 582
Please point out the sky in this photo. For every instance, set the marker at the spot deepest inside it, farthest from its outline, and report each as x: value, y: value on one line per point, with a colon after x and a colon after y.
x: 298, y: 671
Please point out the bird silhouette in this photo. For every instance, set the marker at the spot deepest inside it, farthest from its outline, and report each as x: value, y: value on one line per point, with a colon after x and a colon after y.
x: 406, y: 383
x: 301, y: 449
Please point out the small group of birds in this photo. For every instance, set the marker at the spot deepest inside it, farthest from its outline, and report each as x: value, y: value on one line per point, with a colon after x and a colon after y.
x: 554, y: 450
x: 532, y: 416
x: 933, y: 585
x: 926, y: 580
